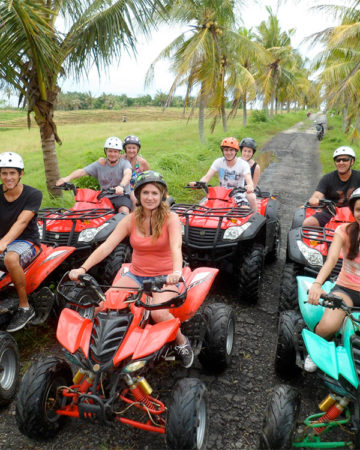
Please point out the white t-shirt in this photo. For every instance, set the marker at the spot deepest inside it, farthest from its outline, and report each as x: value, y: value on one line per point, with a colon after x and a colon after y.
x: 230, y: 177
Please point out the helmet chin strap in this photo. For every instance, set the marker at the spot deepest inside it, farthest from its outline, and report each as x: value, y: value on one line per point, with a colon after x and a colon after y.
x: 13, y: 187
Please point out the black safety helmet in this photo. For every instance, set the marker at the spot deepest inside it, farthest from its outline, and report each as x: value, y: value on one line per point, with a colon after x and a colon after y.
x: 131, y: 139
x: 149, y: 176
x: 353, y: 197
x: 248, y: 142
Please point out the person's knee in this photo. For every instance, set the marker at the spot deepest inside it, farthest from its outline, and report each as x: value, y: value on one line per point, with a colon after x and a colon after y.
x: 124, y: 209
x: 12, y: 261
x: 311, y: 222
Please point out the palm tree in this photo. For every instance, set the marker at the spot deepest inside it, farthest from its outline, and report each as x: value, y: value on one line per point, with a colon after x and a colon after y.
x: 199, y: 55
x: 36, y: 48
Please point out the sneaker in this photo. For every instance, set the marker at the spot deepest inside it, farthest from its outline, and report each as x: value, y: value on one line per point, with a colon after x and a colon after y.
x: 309, y: 365
x: 20, y: 319
x: 185, y: 353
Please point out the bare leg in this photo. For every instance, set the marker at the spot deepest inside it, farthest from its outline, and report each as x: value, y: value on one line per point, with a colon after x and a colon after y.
x: 311, y: 221
x: 12, y: 263
x: 332, y: 319
x: 252, y: 201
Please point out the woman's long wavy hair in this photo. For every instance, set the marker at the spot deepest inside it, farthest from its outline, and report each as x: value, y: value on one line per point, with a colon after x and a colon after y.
x: 159, y: 215
x: 353, y: 230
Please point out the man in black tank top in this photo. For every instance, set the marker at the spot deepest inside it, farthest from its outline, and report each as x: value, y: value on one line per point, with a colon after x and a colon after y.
x: 336, y: 186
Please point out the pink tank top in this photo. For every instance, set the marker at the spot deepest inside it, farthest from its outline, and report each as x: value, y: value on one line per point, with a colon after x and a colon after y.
x: 150, y: 258
x: 349, y: 275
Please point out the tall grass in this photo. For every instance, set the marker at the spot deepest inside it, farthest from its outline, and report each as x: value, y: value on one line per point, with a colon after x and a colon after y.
x: 170, y: 146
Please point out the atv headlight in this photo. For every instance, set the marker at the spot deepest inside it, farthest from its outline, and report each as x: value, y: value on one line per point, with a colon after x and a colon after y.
x: 314, y: 257
x: 233, y: 233
x: 89, y: 234
x: 134, y: 366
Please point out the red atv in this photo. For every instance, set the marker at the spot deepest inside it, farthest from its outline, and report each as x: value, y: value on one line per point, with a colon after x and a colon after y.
x: 86, y: 225
x: 116, y: 348
x: 307, y: 249
x: 39, y: 274
x: 224, y: 233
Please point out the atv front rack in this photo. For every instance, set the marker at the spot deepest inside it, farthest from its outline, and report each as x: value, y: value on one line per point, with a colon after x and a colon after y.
x: 186, y: 210
x: 318, y: 234
x: 58, y: 237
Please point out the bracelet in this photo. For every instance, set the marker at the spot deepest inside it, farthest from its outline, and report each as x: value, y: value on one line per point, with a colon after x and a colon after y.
x: 317, y: 282
x: 81, y: 267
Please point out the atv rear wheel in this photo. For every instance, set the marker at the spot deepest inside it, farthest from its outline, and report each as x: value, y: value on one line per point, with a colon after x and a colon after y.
x: 9, y: 368
x: 290, y: 323
x: 38, y: 398
x: 288, y: 287
x: 280, y: 418
x: 275, y: 250
x: 251, y: 272
x: 187, y: 418
x: 218, y: 342
x: 120, y: 255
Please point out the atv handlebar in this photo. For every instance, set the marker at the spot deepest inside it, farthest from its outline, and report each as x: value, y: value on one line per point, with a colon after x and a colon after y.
x: 199, y: 185
x: 104, y: 192
x: 325, y: 204
x: 84, y: 299
x: 67, y: 187
x: 332, y: 301
x: 237, y: 190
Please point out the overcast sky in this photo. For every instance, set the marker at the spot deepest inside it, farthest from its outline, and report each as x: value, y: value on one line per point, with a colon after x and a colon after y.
x: 128, y: 76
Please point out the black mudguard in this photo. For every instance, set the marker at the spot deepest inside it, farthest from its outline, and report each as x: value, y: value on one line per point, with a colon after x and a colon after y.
x: 258, y: 222
x: 298, y: 218
x: 293, y: 252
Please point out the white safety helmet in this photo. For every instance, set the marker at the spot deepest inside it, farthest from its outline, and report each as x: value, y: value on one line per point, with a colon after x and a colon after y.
x: 344, y: 150
x: 11, y: 160
x: 114, y: 143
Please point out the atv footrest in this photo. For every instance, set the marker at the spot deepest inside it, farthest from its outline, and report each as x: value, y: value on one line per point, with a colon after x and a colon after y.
x: 92, y: 408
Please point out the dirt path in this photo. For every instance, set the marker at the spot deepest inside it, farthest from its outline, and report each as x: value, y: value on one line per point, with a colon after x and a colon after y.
x: 238, y: 397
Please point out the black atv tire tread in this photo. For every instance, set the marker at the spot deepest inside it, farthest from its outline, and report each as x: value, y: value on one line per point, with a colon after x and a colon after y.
x: 280, y: 418
x: 285, y: 356
x: 251, y: 273
x: 181, y: 423
x: 8, y: 343
x: 275, y: 250
x: 120, y: 255
x: 30, y: 409
x: 213, y: 355
x: 288, y: 287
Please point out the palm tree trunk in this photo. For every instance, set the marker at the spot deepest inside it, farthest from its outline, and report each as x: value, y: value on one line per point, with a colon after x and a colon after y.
x: 44, y: 112
x: 224, y: 120
x: 244, y: 112
x: 201, y: 124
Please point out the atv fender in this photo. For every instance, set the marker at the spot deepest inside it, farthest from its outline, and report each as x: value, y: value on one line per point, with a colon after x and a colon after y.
x: 299, y: 217
x: 293, y: 251
x: 143, y: 342
x: 312, y: 314
x: 331, y: 359
x: 258, y: 222
x: 44, y: 264
x: 199, y: 284
x: 272, y: 209
x: 109, y: 228
x: 74, y: 331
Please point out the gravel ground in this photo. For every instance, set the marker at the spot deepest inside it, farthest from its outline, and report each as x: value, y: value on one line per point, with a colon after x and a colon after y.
x: 237, y: 397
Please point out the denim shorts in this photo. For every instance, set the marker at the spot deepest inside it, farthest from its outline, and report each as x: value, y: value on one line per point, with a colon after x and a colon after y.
x: 25, y: 249
x: 139, y: 280
x: 354, y: 295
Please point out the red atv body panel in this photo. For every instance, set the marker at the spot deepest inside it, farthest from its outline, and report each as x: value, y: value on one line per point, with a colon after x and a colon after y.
x: 74, y: 331
x: 43, y: 265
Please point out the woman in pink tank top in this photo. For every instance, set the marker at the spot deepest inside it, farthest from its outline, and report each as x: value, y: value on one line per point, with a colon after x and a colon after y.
x: 155, y: 236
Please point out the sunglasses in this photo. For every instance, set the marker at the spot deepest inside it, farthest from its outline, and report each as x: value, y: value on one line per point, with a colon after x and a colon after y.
x: 337, y: 160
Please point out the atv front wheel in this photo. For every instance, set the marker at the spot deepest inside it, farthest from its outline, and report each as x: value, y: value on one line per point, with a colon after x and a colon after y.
x: 218, y: 342
x: 39, y: 398
x: 290, y: 324
x: 120, y: 255
x: 251, y: 272
x: 9, y: 368
x: 280, y: 418
x: 288, y: 287
x: 187, y: 418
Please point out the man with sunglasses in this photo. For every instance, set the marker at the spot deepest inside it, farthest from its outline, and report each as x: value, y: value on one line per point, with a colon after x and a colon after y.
x: 336, y: 186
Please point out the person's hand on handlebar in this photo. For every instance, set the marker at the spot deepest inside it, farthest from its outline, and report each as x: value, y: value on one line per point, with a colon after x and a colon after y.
x: 314, y: 201
x: 315, y: 293
x: 173, y: 277
x: 61, y: 181
x: 74, y: 273
x: 249, y: 188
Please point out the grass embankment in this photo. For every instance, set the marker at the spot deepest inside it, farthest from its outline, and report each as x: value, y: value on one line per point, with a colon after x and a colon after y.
x: 334, y: 137
x: 169, y: 142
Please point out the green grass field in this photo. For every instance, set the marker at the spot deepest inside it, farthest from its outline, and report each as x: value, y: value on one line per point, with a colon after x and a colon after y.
x: 170, y: 142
